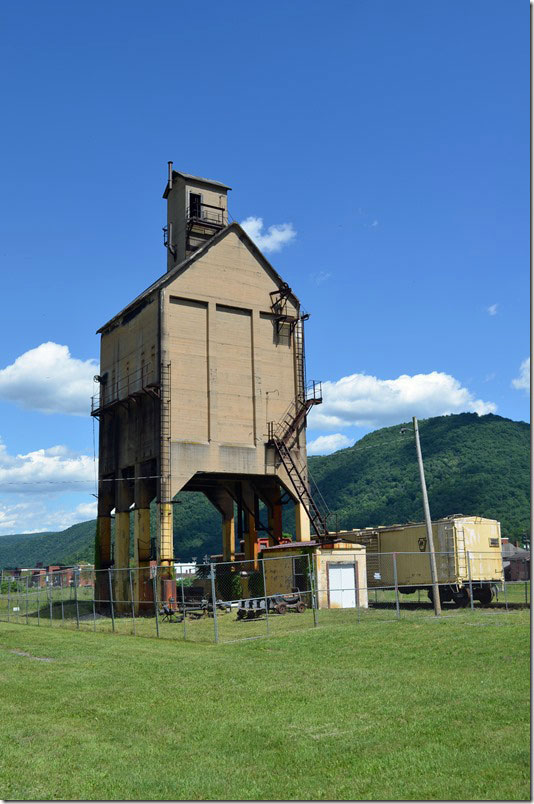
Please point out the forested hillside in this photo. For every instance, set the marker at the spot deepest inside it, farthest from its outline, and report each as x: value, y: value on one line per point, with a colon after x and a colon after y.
x: 473, y: 464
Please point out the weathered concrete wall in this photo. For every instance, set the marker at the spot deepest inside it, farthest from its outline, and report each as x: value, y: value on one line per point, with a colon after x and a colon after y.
x: 129, y: 355
x: 178, y: 201
x: 231, y: 372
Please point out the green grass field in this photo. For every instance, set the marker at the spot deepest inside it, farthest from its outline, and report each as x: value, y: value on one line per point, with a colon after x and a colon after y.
x: 410, y: 709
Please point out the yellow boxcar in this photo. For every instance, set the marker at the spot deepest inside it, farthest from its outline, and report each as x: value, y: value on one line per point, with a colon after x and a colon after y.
x: 464, y: 545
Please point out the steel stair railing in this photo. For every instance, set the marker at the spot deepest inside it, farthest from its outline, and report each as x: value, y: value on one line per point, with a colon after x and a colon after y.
x: 317, y: 520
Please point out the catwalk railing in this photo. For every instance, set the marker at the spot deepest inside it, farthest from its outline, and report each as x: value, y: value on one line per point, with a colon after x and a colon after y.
x: 230, y: 601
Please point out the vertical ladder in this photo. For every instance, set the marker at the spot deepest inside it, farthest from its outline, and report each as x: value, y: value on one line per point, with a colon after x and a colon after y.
x: 461, y: 556
x: 300, y: 359
x: 165, y: 432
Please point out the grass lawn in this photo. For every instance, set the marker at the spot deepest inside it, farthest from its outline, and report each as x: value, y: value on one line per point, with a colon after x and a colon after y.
x: 408, y: 709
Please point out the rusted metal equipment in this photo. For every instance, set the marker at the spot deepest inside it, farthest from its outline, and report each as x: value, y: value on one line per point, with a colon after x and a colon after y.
x: 253, y: 608
x: 196, y: 607
x: 169, y: 614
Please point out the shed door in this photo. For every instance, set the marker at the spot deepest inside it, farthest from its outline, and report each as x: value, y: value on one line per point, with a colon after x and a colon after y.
x: 342, y: 586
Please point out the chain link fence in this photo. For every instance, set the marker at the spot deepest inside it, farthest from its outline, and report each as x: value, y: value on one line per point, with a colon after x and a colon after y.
x: 230, y: 601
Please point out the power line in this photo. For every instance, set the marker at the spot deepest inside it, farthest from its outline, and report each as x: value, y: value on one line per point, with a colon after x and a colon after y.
x: 156, y: 477
x: 74, y: 480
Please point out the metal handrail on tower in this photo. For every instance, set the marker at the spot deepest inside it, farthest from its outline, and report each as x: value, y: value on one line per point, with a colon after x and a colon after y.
x: 142, y: 380
x: 281, y: 435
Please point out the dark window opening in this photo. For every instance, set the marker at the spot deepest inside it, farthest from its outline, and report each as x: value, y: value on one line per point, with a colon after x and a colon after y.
x: 195, y: 205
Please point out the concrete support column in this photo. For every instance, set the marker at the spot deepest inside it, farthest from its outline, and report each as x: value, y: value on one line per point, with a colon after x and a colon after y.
x: 223, y: 501
x: 251, y: 539
x: 228, y: 537
x: 145, y: 491
x: 106, y: 503
x: 103, y: 542
x: 121, y: 553
x: 121, y: 591
x: 165, y: 533
x: 302, y: 523
x: 251, y: 533
x: 275, y: 514
x: 166, y: 575
x: 142, y: 585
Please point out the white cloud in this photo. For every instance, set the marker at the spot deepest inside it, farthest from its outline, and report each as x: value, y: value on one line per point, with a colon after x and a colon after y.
x: 52, y: 470
x: 86, y: 510
x: 47, y: 379
x: 273, y: 239
x: 323, y: 445
x: 492, y: 309
x: 522, y: 383
x: 35, y: 517
x: 362, y: 400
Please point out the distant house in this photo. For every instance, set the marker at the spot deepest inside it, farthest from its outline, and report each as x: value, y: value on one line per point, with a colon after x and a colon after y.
x: 182, y: 569
x: 516, y: 561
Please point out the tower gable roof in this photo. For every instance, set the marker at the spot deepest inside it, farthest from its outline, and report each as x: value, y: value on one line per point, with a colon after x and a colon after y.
x: 199, y: 179
x: 185, y: 264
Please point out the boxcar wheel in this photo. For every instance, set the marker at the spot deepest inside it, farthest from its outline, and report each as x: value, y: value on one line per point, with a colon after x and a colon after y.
x: 445, y: 595
x: 484, y: 595
x: 462, y: 598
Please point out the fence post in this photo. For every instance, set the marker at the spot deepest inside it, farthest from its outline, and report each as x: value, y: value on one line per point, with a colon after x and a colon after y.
x: 39, y: 601
x: 9, y: 600
x: 470, y: 580
x: 111, y: 600
x: 504, y: 590
x: 132, y: 599
x: 155, y: 595
x: 76, y: 598
x: 397, y: 606
x: 213, y: 602
x: 265, y: 596
x: 313, y: 590
x: 94, y: 609
x: 62, y: 604
x: 50, y: 587
x: 27, y: 593
x: 183, y: 609
x: 357, y: 585
x: 526, y: 593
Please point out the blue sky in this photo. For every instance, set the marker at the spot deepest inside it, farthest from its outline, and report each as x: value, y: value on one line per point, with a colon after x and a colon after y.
x: 392, y: 139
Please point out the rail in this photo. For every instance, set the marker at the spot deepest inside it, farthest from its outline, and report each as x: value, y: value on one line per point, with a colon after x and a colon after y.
x: 206, y: 213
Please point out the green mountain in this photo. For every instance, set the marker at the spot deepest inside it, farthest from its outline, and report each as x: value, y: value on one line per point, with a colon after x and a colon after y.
x: 474, y: 465
x: 66, y: 547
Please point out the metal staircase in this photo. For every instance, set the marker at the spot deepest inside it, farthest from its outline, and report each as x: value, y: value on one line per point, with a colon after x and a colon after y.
x: 282, y: 436
x: 317, y: 518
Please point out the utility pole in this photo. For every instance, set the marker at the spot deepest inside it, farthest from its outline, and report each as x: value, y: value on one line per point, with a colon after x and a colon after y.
x: 428, y: 521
